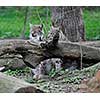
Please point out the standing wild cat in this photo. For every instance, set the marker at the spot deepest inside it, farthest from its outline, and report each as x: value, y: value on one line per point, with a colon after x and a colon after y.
x: 56, y: 31
x: 54, y: 36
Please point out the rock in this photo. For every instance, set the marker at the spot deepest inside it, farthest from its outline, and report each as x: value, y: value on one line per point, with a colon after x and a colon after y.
x: 97, y: 76
x: 10, y: 84
x: 91, y: 85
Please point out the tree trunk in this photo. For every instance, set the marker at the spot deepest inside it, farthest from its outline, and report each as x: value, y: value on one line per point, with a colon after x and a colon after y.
x: 70, y: 21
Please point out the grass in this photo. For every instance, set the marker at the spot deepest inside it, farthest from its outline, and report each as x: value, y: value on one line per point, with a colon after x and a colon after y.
x: 92, y: 24
x: 12, y: 21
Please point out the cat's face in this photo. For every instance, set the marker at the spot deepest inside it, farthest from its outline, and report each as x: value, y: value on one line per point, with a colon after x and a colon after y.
x: 57, y: 63
x: 36, y: 32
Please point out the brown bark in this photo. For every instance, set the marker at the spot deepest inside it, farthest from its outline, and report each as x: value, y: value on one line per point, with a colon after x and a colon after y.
x: 70, y: 20
x: 10, y: 84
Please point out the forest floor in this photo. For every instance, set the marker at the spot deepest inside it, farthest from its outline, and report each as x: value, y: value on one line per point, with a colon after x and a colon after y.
x: 66, y: 82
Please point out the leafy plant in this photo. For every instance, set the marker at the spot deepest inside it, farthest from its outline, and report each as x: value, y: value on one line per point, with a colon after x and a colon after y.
x: 52, y: 73
x: 17, y: 71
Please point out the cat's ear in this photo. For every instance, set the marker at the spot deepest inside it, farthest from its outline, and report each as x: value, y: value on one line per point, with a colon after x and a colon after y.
x: 31, y: 25
x: 41, y: 26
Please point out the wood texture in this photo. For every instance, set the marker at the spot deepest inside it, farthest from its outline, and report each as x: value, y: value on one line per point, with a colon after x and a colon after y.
x: 70, y: 20
x: 32, y: 55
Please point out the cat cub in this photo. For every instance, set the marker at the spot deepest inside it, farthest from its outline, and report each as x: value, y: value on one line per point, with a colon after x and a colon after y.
x: 56, y: 33
x: 54, y: 36
x: 46, y: 66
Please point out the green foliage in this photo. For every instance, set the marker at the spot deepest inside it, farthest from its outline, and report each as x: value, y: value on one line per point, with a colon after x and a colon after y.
x: 92, y: 24
x: 52, y: 73
x: 75, y: 80
x: 17, y: 71
x: 12, y: 21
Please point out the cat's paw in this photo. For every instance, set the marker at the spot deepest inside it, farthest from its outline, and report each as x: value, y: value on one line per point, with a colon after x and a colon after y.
x: 43, y: 45
x: 31, y: 42
x: 38, y: 77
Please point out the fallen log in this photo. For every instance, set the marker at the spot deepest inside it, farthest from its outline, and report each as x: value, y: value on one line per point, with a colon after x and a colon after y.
x: 92, y: 43
x: 33, y: 55
x: 88, y: 51
x: 10, y: 84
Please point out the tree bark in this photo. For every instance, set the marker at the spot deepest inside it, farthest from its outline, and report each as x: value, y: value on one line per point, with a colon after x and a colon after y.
x: 10, y: 84
x: 32, y: 55
x: 70, y: 20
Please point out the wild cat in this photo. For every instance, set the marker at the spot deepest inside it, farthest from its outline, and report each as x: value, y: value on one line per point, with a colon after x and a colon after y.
x: 56, y: 30
x: 54, y: 36
x: 37, y: 38
x: 46, y: 66
x: 36, y: 34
